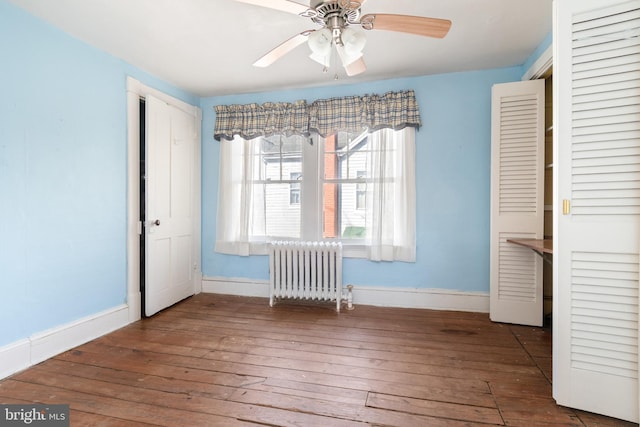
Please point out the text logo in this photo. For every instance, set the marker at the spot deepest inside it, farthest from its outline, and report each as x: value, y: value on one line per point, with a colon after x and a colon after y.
x: 34, y: 415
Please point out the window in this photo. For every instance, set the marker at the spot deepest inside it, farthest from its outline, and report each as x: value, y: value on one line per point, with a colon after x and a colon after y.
x: 355, y: 188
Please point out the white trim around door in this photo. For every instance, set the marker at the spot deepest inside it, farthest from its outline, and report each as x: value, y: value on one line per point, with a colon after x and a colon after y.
x: 135, y: 91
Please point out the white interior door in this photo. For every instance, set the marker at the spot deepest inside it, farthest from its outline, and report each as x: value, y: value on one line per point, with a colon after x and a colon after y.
x: 171, y: 192
x: 596, y: 81
x: 517, y: 204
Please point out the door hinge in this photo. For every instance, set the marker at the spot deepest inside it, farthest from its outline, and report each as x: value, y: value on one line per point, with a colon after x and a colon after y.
x: 139, y: 228
x: 566, y: 207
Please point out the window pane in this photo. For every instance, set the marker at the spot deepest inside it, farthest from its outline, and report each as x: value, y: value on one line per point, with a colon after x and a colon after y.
x: 341, y: 216
x: 352, y: 218
x: 277, y: 188
x: 346, y: 158
x: 282, y: 219
x: 277, y: 153
x: 361, y: 191
x: 330, y: 158
x: 345, y: 155
x: 294, y: 188
x: 330, y: 218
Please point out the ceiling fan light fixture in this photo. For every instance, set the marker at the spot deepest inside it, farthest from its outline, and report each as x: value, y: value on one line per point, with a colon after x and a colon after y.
x: 323, y: 58
x: 353, y: 42
x: 320, y: 41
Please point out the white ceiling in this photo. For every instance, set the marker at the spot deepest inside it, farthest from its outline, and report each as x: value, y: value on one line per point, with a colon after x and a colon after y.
x: 207, y: 47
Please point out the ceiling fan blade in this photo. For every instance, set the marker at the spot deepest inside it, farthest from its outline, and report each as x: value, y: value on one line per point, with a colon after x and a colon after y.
x: 356, y: 67
x: 282, y: 5
x: 278, y: 52
x: 351, y: 66
x: 430, y: 27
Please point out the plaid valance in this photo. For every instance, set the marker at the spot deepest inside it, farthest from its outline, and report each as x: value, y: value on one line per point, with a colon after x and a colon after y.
x: 253, y: 120
x: 395, y: 110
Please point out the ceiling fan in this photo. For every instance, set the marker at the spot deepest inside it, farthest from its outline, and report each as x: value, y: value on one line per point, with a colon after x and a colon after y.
x: 336, y: 18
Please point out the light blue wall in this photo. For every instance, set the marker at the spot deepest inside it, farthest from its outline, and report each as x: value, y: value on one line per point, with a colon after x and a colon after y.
x: 63, y: 176
x: 453, y: 173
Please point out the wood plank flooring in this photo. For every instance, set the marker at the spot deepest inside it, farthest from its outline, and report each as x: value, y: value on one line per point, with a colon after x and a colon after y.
x: 224, y: 360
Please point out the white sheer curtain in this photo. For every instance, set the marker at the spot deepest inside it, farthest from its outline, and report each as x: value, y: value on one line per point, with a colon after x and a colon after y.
x: 391, y: 197
x: 237, y: 219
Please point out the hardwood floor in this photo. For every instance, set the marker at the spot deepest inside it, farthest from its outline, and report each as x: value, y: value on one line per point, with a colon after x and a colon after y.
x: 222, y: 360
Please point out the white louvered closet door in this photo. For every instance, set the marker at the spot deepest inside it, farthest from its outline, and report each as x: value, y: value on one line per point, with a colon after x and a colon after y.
x: 517, y: 205
x: 597, y: 240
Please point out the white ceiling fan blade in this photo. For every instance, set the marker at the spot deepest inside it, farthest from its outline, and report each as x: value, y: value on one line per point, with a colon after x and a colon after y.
x: 281, y: 50
x: 356, y: 67
x: 282, y: 5
x: 351, y: 66
x: 429, y: 27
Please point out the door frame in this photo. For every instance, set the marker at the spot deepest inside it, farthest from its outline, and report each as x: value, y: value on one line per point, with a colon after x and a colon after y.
x: 135, y: 91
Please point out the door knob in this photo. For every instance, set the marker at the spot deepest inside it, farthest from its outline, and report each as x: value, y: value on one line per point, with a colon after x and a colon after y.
x: 156, y: 222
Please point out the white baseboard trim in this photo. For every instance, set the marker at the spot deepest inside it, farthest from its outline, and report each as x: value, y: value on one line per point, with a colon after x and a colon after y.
x: 435, y: 299
x: 236, y: 286
x: 15, y: 357
x: 27, y: 352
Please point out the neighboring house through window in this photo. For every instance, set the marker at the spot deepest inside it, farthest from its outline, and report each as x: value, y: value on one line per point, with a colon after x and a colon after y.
x: 361, y: 190
x: 294, y: 188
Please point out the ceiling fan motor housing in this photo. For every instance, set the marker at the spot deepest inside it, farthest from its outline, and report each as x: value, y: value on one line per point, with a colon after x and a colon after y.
x: 335, y: 14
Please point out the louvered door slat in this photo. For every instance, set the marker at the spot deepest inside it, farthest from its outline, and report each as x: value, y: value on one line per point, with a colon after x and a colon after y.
x: 610, y: 274
x: 600, y: 48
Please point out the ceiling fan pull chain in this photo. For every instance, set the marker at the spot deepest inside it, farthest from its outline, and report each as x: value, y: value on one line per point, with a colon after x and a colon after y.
x: 335, y: 61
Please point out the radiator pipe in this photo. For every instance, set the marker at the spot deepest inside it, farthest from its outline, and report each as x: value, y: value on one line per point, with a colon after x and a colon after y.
x: 349, y: 297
